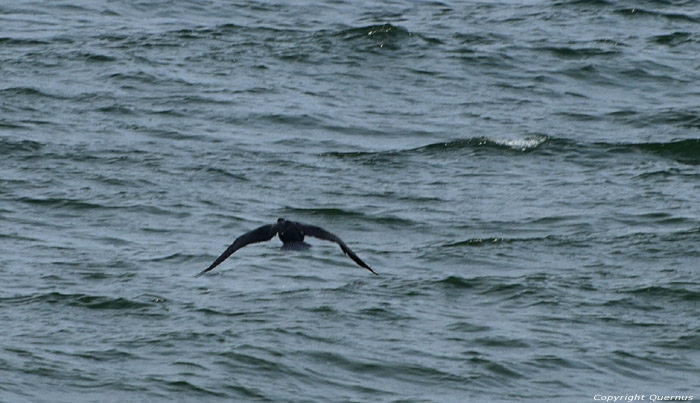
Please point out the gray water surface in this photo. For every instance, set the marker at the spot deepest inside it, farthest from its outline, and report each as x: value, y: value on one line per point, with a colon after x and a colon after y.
x: 524, y: 176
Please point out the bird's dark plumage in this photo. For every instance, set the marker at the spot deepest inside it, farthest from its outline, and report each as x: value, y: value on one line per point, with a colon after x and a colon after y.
x: 291, y: 234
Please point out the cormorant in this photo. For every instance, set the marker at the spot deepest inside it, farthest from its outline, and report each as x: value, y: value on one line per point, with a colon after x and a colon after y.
x: 291, y: 234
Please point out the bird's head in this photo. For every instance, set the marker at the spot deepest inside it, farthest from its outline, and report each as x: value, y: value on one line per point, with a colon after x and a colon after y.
x: 279, y: 220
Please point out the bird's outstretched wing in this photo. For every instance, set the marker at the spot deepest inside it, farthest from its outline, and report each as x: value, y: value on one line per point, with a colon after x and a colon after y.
x: 320, y: 233
x: 262, y: 234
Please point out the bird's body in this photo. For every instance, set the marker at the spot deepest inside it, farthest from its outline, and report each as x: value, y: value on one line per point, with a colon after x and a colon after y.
x: 291, y: 234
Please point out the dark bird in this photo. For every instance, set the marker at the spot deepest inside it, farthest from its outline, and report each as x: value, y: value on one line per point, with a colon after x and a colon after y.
x: 291, y: 234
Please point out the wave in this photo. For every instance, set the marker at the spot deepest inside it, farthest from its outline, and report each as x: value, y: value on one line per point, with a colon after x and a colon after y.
x: 637, y: 239
x: 485, y: 143
x: 28, y: 92
x: 377, y: 31
x: 689, y: 340
x: 566, y: 52
x: 685, y: 151
x: 63, y: 203
x: 588, y: 3
x: 381, y: 369
x: 476, y: 242
x: 139, y: 77
x: 66, y: 204
x: 646, y: 13
x: 5, y: 41
x: 82, y: 301
x: 96, y: 57
x: 286, y: 44
x: 552, y: 240
x: 456, y: 282
x: 453, y: 146
x: 9, y: 146
x: 331, y: 212
x: 352, y: 44
x: 528, y: 290
x: 672, y: 292
x: 324, y: 212
x: 374, y: 32
x: 682, y: 117
x: 673, y: 39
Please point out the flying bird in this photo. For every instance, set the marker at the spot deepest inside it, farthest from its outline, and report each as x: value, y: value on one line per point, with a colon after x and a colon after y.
x: 291, y: 234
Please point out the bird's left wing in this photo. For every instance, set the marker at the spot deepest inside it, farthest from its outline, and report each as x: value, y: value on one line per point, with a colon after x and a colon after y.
x: 261, y: 234
x: 320, y: 233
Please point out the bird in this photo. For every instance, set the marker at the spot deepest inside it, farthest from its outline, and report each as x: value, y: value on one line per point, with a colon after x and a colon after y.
x: 292, y: 234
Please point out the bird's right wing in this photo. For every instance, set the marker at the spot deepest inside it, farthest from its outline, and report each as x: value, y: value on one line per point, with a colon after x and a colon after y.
x: 262, y: 234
